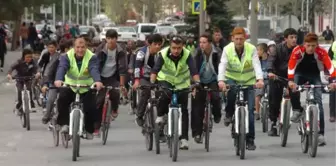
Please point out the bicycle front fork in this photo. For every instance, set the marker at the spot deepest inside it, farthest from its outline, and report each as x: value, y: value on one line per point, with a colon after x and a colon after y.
x: 81, y: 121
x: 23, y: 100
x: 171, y: 120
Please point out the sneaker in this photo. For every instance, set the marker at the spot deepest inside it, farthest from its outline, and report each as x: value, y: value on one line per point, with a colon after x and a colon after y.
x: 89, y: 136
x: 250, y: 145
x: 217, y: 119
x: 227, y: 121
x: 273, y: 131
x: 96, y: 133
x: 139, y: 121
x: 65, y: 129
x: 296, y: 116
x: 184, y: 144
x: 321, y: 140
x: 1, y: 69
x: 257, y: 116
x: 159, y: 119
x: 198, y: 139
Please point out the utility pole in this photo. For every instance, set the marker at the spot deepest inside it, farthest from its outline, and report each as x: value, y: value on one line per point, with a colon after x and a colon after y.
x: 88, y: 11
x: 83, y: 14
x: 77, y: 12
x: 307, y: 13
x: 70, y: 13
x: 201, y: 18
x: 183, y: 5
x: 334, y: 15
x: 302, y: 13
x: 54, y: 13
x: 99, y: 6
x: 254, y: 22
x: 63, y: 12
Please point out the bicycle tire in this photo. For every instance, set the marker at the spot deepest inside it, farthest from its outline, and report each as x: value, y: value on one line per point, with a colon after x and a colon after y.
x: 156, y: 131
x: 23, y: 120
x: 149, y: 137
x: 242, y: 133
x: 27, y: 111
x: 175, y: 136
x: 285, y: 123
x: 75, y: 136
x: 313, y: 134
x: 106, y: 123
x: 207, y: 127
x: 55, y: 136
x: 264, y: 118
x: 304, y: 140
x: 235, y: 137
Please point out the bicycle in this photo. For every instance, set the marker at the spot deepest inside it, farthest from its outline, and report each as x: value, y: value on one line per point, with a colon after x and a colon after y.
x: 264, y: 108
x: 173, y: 129
x: 134, y: 98
x: 25, y: 97
x: 208, y: 118
x: 285, y: 113
x: 150, y: 128
x: 37, y: 94
x: 53, y: 126
x: 309, y: 125
x: 240, y: 122
x: 76, y: 124
x: 106, y: 113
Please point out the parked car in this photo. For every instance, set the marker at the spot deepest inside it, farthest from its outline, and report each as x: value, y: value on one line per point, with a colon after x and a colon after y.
x: 142, y: 30
x: 165, y: 30
x: 126, y: 33
x: 85, y: 29
x: 260, y: 40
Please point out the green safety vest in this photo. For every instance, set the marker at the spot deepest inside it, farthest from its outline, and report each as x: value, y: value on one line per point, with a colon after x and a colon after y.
x: 333, y: 50
x: 241, y: 72
x: 74, y: 75
x: 191, y: 48
x: 178, y: 77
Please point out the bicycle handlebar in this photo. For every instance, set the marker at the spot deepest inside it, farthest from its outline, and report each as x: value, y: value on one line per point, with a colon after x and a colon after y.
x: 25, y: 78
x: 302, y: 88
x: 157, y: 86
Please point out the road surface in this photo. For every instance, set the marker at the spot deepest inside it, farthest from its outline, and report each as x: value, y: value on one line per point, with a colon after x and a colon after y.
x: 125, y: 145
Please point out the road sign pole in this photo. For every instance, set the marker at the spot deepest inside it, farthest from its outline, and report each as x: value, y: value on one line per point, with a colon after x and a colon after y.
x: 201, y: 18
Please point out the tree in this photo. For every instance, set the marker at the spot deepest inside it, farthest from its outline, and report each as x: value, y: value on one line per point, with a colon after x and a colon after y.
x: 14, y: 9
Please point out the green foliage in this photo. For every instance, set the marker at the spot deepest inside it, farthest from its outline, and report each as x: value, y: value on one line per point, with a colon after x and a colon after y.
x: 220, y: 17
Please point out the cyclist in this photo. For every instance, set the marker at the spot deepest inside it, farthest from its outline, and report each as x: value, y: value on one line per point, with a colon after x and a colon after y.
x: 240, y: 64
x: 207, y: 59
x: 113, y: 68
x: 306, y: 63
x: 263, y: 56
x: 278, y: 65
x: 79, y: 66
x: 164, y: 70
x: 25, y: 66
x: 144, y: 62
x: 332, y: 96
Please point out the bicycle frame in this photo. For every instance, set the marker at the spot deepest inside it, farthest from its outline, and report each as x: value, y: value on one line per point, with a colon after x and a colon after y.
x: 240, y: 102
x: 25, y: 90
x: 77, y: 106
x: 107, y: 98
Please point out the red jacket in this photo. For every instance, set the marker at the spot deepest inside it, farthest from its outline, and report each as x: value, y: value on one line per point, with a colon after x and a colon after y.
x: 321, y: 56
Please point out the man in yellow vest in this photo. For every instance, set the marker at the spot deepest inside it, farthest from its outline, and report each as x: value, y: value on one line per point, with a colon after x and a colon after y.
x: 332, y: 96
x: 240, y: 65
x: 79, y: 66
x: 173, y: 68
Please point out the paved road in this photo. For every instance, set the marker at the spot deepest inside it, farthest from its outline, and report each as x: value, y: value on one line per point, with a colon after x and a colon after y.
x: 126, y: 146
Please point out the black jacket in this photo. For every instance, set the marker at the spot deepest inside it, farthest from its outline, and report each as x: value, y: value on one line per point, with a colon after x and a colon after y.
x: 278, y: 60
x: 216, y: 57
x: 121, y: 59
x: 23, y: 69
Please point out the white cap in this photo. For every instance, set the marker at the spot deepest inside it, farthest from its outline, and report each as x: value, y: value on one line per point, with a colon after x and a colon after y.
x: 271, y: 43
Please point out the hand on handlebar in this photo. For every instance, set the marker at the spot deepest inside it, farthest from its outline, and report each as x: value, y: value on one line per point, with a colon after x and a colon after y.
x: 222, y: 85
x: 58, y: 83
x: 98, y: 85
x: 271, y: 76
x: 9, y: 77
x: 332, y: 86
x: 292, y: 85
x: 260, y: 84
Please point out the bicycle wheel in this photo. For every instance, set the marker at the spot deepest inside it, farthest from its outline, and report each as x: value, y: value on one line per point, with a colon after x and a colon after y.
x: 75, y: 136
x: 55, y: 136
x: 23, y: 119
x: 207, y: 126
x: 264, y: 118
x: 106, y: 122
x: 175, y: 134
x: 304, y: 140
x: 235, y: 137
x: 242, y: 133
x: 313, y: 134
x: 26, y: 111
x: 285, y: 123
x: 156, y: 131
x: 148, y: 129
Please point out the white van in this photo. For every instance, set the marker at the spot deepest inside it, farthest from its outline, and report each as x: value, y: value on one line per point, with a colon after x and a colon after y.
x: 144, y: 29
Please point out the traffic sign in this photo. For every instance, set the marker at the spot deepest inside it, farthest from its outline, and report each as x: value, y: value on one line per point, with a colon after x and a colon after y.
x: 196, y: 6
x: 45, y: 9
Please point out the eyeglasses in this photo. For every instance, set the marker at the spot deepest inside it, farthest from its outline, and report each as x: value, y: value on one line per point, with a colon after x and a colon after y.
x: 177, y: 39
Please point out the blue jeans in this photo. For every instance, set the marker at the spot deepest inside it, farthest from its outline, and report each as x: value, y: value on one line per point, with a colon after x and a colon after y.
x: 231, y: 101
x: 300, y: 79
